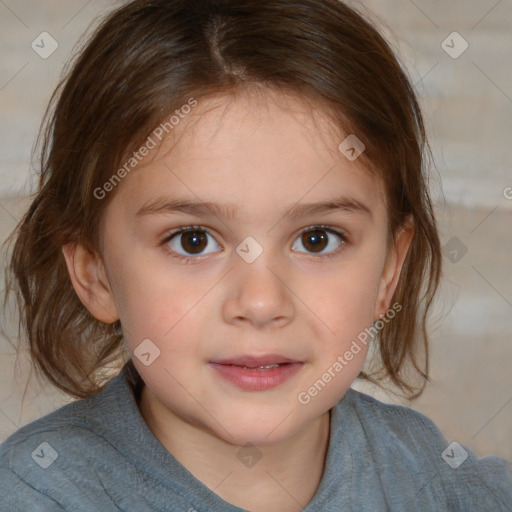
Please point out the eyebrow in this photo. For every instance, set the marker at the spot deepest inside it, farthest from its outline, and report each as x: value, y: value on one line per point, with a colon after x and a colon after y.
x: 228, y: 211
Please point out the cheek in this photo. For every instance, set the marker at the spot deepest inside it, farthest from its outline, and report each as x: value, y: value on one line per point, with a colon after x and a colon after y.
x: 153, y: 301
x: 344, y: 299
x: 166, y: 318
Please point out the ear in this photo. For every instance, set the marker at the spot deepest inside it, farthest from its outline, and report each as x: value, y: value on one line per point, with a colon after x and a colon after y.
x: 393, y: 267
x: 90, y: 282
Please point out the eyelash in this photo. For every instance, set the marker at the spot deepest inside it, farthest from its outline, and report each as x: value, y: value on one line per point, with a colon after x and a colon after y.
x: 191, y: 259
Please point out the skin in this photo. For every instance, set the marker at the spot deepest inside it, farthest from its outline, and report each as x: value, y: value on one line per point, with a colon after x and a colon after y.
x: 264, y: 154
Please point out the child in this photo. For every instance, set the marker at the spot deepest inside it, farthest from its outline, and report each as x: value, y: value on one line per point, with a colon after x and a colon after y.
x: 283, y: 142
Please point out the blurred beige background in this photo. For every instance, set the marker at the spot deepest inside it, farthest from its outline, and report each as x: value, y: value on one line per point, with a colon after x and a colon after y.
x: 467, y: 98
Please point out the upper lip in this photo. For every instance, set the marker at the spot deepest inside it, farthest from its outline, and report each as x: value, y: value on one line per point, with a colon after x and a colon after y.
x: 256, y: 361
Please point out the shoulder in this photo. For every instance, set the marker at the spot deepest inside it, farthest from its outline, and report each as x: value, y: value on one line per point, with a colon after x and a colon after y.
x: 408, y: 443
x: 69, y: 427
x: 56, y: 428
x: 85, y: 423
x: 396, y: 422
x: 27, y: 454
x: 56, y: 461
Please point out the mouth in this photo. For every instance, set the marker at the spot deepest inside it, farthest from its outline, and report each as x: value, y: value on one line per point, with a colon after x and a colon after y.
x: 257, y: 362
x: 257, y: 373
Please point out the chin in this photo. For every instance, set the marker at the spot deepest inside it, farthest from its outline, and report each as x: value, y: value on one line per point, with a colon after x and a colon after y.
x: 257, y: 430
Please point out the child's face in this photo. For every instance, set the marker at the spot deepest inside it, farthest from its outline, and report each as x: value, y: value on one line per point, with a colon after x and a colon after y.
x: 263, y: 161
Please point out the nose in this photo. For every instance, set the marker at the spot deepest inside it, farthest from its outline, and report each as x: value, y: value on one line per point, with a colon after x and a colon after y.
x: 258, y: 295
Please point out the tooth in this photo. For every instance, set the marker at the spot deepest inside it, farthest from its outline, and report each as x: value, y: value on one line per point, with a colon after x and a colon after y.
x: 267, y: 367
x: 262, y: 367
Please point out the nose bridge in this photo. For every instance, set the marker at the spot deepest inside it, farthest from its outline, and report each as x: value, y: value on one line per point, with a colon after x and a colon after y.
x: 257, y: 292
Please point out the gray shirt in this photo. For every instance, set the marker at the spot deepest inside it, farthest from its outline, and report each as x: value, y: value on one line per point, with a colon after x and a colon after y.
x: 98, y: 454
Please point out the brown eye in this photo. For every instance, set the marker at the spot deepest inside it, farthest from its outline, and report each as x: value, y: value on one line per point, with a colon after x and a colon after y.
x: 192, y: 241
x: 319, y: 240
x: 315, y: 241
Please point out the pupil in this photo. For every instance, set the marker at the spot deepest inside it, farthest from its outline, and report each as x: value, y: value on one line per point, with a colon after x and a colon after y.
x: 196, y: 239
x: 314, y: 239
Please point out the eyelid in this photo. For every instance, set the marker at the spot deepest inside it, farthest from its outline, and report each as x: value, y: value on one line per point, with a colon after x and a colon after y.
x: 184, y: 229
x: 331, y: 229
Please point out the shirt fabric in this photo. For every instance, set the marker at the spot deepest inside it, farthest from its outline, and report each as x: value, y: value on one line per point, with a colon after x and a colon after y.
x: 98, y: 454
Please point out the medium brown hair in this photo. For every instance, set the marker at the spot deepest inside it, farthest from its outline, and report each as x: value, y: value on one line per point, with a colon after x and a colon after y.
x: 141, y: 64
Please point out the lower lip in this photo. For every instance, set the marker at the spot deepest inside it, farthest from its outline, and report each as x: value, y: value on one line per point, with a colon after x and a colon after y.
x: 257, y: 380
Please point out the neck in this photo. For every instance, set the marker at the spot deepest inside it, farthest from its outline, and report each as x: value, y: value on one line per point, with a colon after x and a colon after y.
x: 282, y: 476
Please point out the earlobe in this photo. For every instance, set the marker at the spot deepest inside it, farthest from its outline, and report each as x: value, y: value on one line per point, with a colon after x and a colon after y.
x: 393, y: 268
x: 88, y: 276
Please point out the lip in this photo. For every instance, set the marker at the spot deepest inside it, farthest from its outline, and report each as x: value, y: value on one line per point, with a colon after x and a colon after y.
x: 244, y: 372
x: 255, y: 361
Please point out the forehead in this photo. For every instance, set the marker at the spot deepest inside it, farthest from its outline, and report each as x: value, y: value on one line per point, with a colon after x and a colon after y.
x: 247, y: 119
x: 271, y: 148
